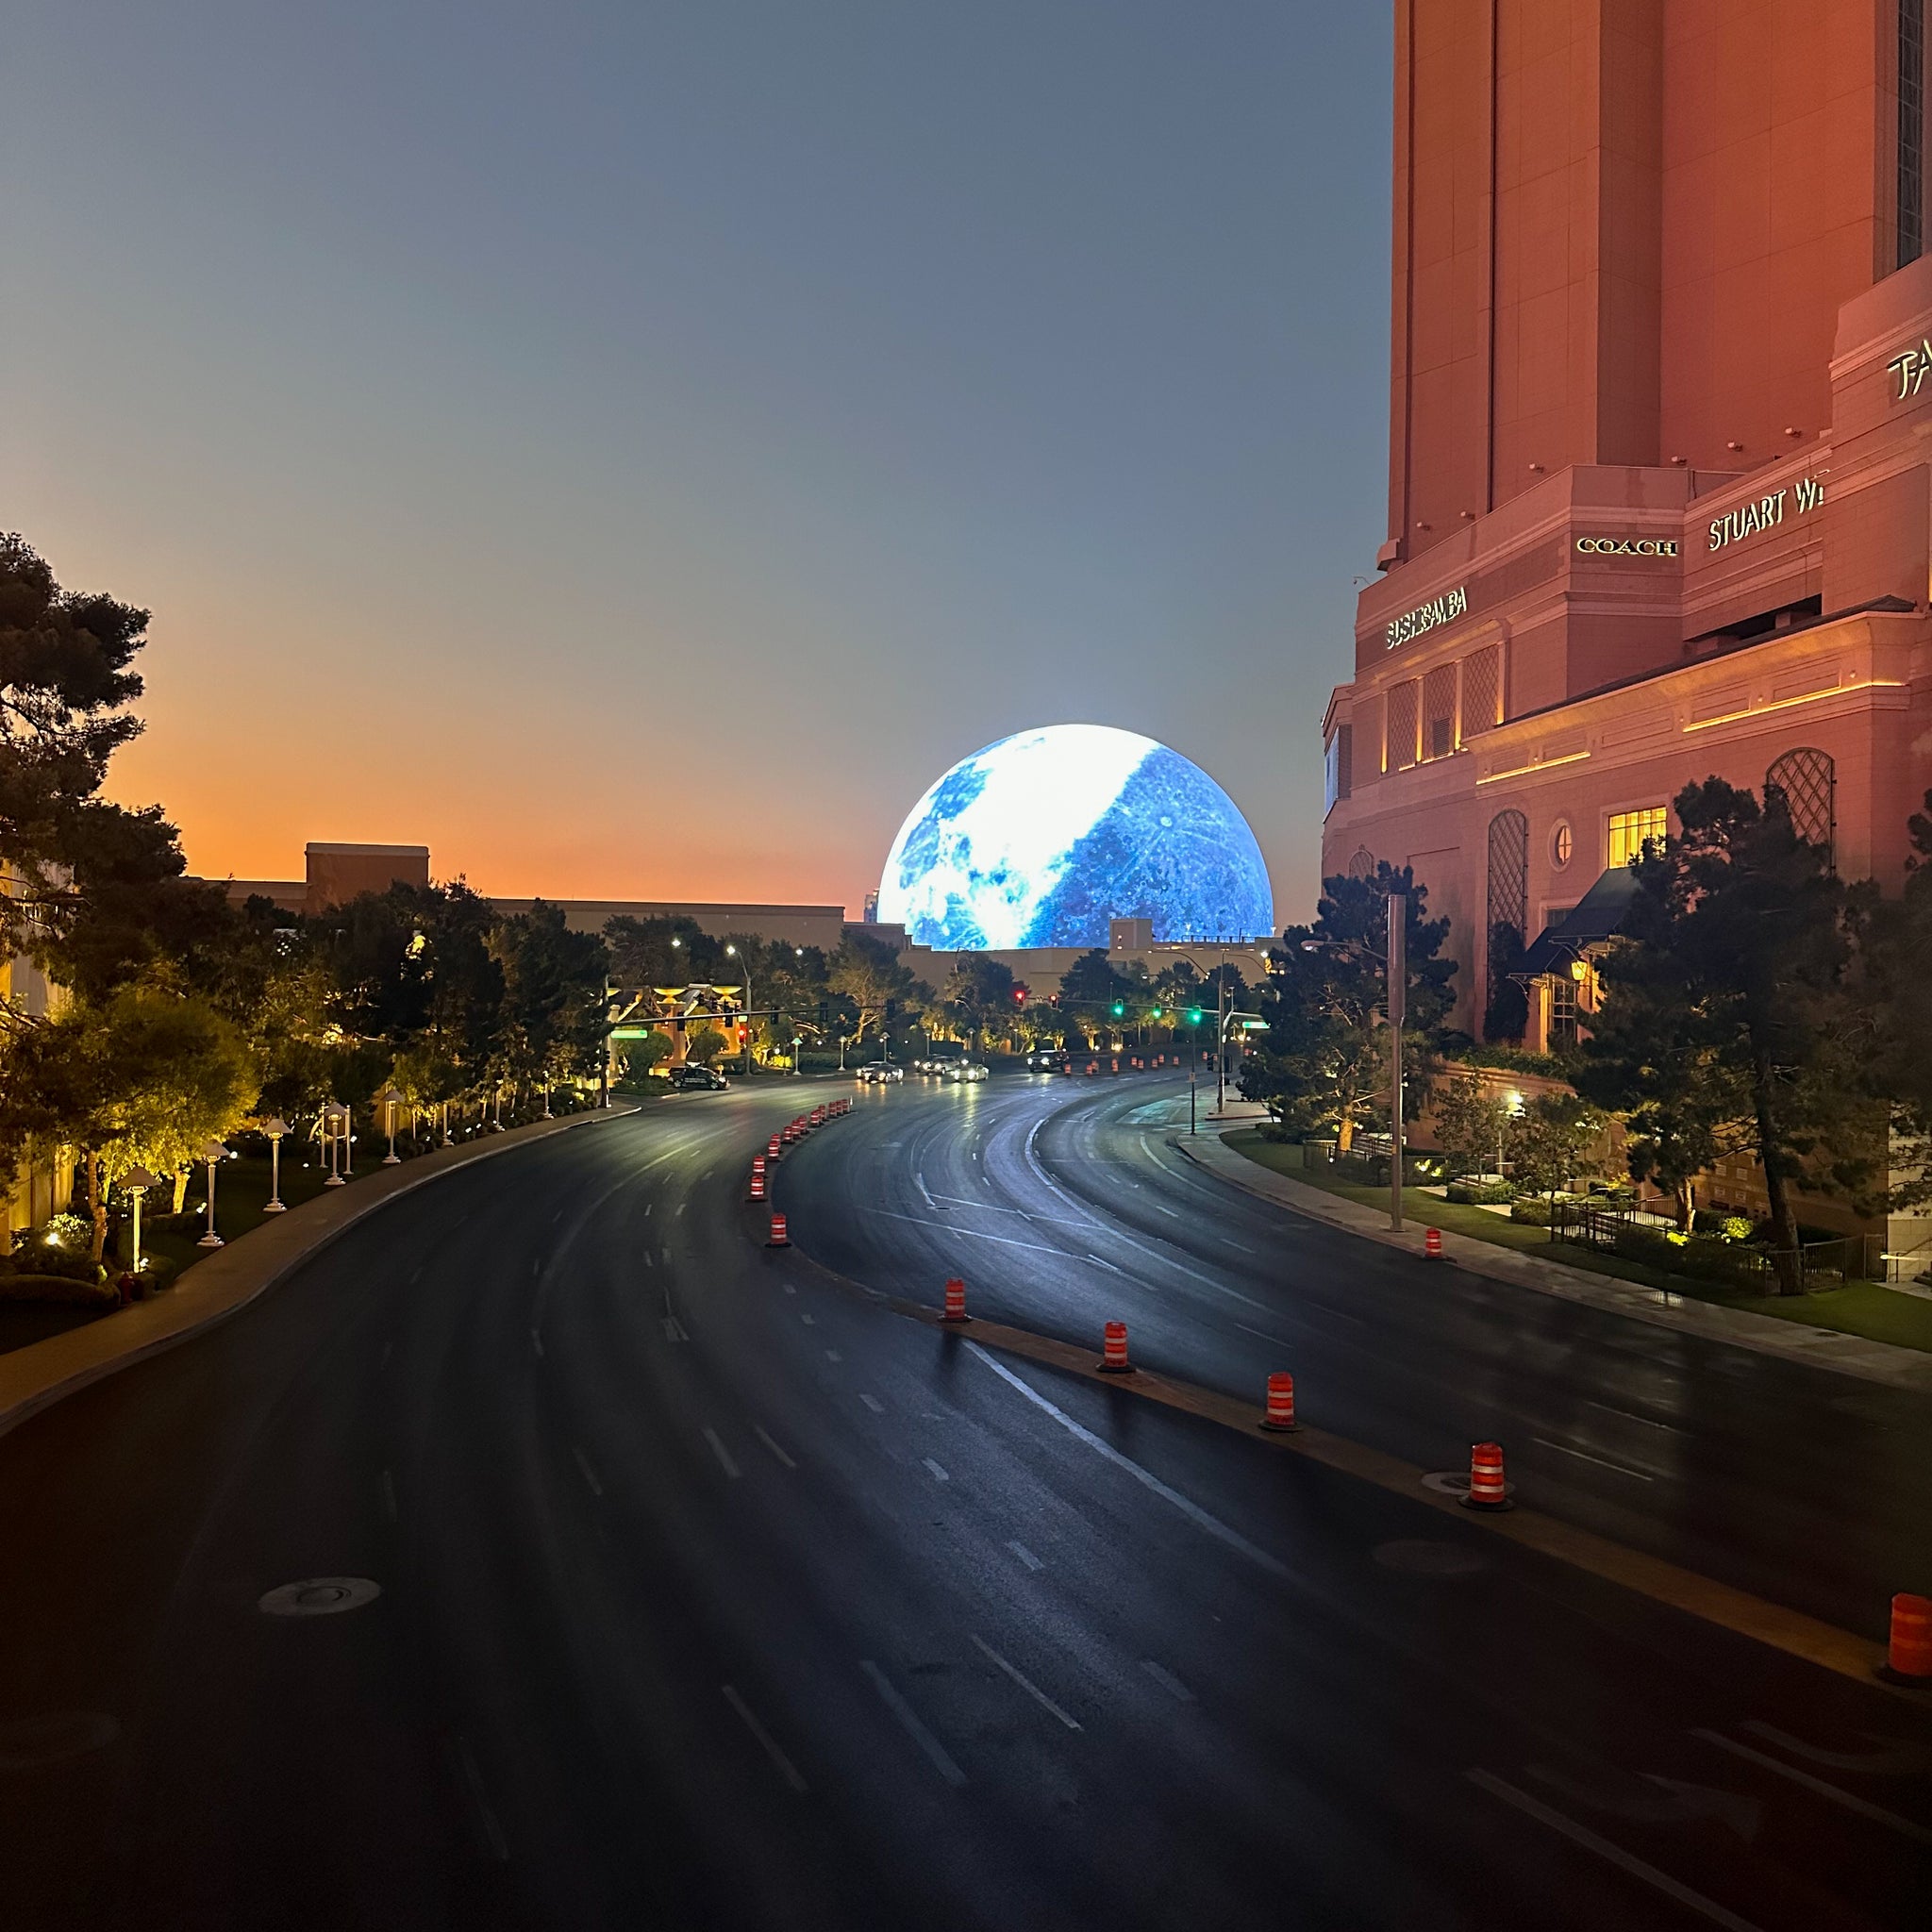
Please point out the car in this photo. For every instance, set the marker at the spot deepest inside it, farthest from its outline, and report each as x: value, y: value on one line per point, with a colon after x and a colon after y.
x: 875, y: 1072
x: 967, y: 1071
x: 1047, y: 1060
x: 694, y: 1078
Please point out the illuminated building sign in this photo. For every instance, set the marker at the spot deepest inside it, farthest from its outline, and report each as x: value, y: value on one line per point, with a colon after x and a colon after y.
x: 1763, y: 512
x: 1443, y: 609
x: 1627, y: 546
x: 1912, y: 367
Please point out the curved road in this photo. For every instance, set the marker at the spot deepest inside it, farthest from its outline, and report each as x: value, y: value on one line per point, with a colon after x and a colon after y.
x: 715, y: 1593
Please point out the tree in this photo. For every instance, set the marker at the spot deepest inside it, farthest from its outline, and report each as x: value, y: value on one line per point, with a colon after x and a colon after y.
x: 1737, y: 949
x: 145, y: 1081
x: 1552, y: 1141
x: 555, y: 1011
x: 868, y: 972
x: 977, y: 996
x: 1089, y: 991
x: 1469, y: 1123
x: 704, y: 1043
x: 1323, y: 1065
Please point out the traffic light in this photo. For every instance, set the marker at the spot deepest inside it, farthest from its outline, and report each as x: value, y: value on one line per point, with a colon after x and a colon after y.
x: 1154, y: 1014
x: 1194, y: 1016
x: 1120, y: 1009
x: 1018, y: 996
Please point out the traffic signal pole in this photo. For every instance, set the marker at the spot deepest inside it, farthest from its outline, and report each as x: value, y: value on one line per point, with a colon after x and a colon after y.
x: 1397, y: 1008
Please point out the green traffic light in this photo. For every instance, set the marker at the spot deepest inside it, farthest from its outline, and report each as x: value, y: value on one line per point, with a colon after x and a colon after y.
x: 1119, y: 1009
x: 1194, y: 1016
x: 1155, y: 1013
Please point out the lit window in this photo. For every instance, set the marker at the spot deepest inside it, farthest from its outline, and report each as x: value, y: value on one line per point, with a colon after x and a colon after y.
x: 1629, y: 829
x: 1561, y: 844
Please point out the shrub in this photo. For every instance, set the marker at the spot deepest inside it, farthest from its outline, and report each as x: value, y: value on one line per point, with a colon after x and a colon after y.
x: 17, y: 1287
x: 43, y: 1259
x: 1481, y: 1193
x: 1534, y: 1209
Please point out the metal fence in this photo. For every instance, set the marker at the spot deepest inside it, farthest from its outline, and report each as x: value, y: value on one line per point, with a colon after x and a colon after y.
x: 1822, y: 1264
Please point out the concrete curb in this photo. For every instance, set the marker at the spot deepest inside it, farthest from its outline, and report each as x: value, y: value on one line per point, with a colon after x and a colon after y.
x: 1844, y: 1355
x: 37, y: 1376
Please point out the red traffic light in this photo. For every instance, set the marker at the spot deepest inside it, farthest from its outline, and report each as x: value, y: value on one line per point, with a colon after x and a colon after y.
x: 1018, y: 996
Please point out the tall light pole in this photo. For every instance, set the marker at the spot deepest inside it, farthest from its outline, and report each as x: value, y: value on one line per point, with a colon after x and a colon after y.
x: 744, y: 967
x: 274, y: 1129
x: 212, y: 1152
x: 137, y: 1181
x: 1397, y: 1006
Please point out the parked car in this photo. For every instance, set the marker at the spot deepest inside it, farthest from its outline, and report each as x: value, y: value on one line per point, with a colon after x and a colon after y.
x: 692, y: 1078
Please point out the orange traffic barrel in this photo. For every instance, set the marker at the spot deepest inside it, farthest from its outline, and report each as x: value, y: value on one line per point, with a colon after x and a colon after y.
x: 1113, y: 1361
x: 1280, y: 1413
x: 1487, y: 1489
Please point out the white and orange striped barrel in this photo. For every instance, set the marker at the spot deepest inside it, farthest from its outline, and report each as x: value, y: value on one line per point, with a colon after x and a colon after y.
x: 1280, y: 1413
x: 955, y: 1300
x: 778, y: 1238
x: 1487, y: 1489
x: 1114, y: 1354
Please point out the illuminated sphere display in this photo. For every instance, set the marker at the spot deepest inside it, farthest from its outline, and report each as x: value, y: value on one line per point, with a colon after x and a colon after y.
x: 1040, y: 839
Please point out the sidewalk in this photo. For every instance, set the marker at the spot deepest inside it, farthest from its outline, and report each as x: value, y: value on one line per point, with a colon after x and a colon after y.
x: 33, y: 1378
x: 1848, y: 1354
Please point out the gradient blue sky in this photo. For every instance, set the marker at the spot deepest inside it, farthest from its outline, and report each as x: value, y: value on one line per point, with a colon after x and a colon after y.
x: 634, y: 449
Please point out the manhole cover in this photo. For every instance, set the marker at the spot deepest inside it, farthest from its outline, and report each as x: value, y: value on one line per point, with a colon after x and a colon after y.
x: 1420, y: 1558
x: 27, y: 1742
x: 321, y: 1596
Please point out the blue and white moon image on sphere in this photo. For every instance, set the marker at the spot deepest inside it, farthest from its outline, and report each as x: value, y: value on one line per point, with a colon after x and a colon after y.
x: 1040, y: 839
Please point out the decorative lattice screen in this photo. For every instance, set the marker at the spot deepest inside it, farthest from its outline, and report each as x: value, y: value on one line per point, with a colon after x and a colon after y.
x: 1482, y: 691
x: 1809, y: 780
x: 1439, y: 712
x: 1404, y: 709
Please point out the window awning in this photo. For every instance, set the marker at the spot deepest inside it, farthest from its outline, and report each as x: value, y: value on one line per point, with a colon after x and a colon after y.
x: 1597, y: 916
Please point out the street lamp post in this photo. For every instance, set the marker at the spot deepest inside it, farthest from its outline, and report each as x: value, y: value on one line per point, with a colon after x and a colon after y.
x: 391, y: 1101
x: 212, y: 1152
x: 1398, y: 1009
x: 274, y: 1129
x: 744, y: 967
x: 137, y: 1181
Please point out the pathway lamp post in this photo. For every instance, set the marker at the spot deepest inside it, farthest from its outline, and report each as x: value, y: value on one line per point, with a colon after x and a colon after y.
x: 274, y: 1129
x: 797, y: 1041
x: 391, y: 1101
x: 333, y: 1116
x: 213, y: 1151
x: 137, y: 1181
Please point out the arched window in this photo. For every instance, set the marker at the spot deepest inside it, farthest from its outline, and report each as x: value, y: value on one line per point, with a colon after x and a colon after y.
x: 1809, y: 781
x: 1362, y: 864
x: 1508, y: 1012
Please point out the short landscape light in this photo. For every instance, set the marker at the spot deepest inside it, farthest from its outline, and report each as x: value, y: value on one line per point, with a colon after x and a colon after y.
x: 212, y: 1152
x: 274, y: 1129
x: 137, y: 1181
x: 392, y: 1099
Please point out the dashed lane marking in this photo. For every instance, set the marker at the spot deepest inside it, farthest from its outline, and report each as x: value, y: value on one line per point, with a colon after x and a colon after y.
x: 787, y: 1769
x: 772, y: 1447
x: 590, y: 1474
x: 873, y: 1402
x: 832, y: 1355
x: 1027, y: 1555
x: 1167, y: 1681
x: 915, y: 1730
x: 1025, y: 1683
x: 808, y: 1321
x: 1642, y: 1475
x: 536, y: 1344
x: 722, y: 1454
x: 1863, y: 1806
x: 939, y: 1474
x: 1616, y: 1854
x: 972, y: 1233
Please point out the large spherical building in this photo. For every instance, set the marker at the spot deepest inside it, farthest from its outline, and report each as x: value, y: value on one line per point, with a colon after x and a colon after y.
x: 1040, y: 839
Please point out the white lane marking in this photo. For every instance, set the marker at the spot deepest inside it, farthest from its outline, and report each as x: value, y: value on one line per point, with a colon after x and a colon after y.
x: 808, y: 1321
x: 1863, y: 1806
x: 1101, y: 1261
x: 536, y: 1266
x: 536, y: 1344
x: 919, y: 1180
x: 1167, y: 1681
x: 1631, y: 1416
x: 1027, y: 1555
x: 914, y: 1728
x: 787, y: 1769
x: 993, y: 1207
x: 1229, y: 1242
x: 832, y: 1355
x: 1263, y: 1335
x: 873, y: 1402
x: 681, y: 1206
x: 790, y: 1289
x: 939, y: 1474
x: 973, y: 1233
x: 722, y: 1454
x: 674, y: 1329
x: 590, y: 1474
x: 648, y: 1263
x: 1642, y: 1475
x: 1171, y: 1213
x: 1025, y: 1683
x: 1192, y: 1510
x: 388, y: 1495
x: 486, y: 1818
x: 772, y: 1447
x: 1582, y: 1834
x: 647, y: 1210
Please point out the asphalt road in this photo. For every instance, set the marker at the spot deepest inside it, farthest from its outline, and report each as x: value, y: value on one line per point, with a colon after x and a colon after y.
x: 714, y: 1594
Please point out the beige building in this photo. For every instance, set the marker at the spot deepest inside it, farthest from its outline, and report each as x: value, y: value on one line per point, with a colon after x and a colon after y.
x: 40, y: 1186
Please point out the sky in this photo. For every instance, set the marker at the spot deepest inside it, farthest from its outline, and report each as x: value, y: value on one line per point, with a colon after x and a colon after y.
x: 633, y: 449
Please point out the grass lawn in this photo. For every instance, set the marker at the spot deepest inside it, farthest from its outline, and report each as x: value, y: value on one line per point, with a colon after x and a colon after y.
x: 1865, y: 1309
